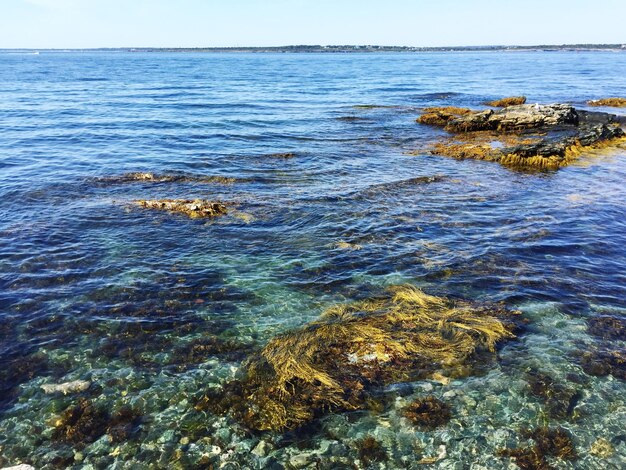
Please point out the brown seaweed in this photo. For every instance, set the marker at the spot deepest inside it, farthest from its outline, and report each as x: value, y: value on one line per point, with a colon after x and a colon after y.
x: 332, y: 363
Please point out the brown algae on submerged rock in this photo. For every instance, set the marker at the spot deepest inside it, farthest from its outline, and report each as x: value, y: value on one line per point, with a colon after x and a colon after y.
x: 334, y: 362
x: 194, y: 208
x: 508, y: 101
x: 609, y: 102
x: 441, y: 115
x: 549, y: 442
x: 147, y: 177
x: 526, y: 136
x: 428, y: 413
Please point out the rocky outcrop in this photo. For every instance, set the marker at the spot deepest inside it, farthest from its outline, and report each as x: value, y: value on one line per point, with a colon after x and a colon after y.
x: 196, y: 209
x: 515, y: 118
x: 538, y: 136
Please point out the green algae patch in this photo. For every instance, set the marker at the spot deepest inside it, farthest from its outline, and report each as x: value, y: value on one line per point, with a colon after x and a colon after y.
x: 508, y: 101
x: 609, y: 102
x: 195, y: 209
x: 428, y: 413
x: 334, y: 363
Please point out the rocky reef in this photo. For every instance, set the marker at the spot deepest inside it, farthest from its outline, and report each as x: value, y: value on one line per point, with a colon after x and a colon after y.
x: 526, y: 135
x: 196, y: 208
x: 338, y: 361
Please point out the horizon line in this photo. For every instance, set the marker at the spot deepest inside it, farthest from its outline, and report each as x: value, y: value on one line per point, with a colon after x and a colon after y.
x: 319, y: 46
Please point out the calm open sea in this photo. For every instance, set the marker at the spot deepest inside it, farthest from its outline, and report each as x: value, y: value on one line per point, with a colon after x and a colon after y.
x: 93, y: 288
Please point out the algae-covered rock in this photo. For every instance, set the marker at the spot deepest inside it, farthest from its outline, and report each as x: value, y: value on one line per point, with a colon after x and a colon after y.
x: 527, y: 116
x: 196, y: 208
x: 336, y: 362
x: 609, y: 102
x: 533, y: 136
x: 506, y: 102
x: 148, y: 177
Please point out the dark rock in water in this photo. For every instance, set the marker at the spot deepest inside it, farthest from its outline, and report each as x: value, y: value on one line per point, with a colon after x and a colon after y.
x: 139, y: 177
x: 197, y: 208
x: 537, y: 136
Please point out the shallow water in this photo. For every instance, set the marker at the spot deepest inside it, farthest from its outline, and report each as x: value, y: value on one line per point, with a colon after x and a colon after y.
x: 94, y: 288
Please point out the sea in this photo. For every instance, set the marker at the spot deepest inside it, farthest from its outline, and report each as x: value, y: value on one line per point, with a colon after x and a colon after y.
x: 333, y: 197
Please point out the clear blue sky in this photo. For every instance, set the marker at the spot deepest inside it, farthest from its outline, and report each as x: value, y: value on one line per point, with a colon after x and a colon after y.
x: 193, y: 23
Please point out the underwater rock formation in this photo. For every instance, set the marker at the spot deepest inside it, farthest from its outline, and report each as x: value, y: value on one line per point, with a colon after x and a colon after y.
x: 67, y: 387
x: 535, y: 136
x: 609, y: 102
x: 196, y: 208
x: 139, y: 177
x: 334, y: 363
x: 509, y: 101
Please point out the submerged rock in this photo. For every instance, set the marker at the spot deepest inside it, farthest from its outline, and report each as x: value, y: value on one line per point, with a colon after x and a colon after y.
x: 67, y: 387
x: 147, y: 177
x: 196, y: 208
x: 539, y: 136
x: 335, y: 362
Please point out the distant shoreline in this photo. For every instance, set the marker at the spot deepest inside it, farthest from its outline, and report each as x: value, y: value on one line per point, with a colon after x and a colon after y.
x: 341, y: 49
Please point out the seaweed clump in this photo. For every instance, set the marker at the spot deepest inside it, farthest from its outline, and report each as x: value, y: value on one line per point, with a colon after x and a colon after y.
x: 607, y: 327
x: 428, y: 413
x: 603, y: 361
x: 86, y: 422
x: 549, y: 442
x: 81, y: 424
x: 332, y: 363
x: 196, y: 208
x: 560, y: 400
x: 370, y: 451
x: 506, y: 102
x: 609, y: 102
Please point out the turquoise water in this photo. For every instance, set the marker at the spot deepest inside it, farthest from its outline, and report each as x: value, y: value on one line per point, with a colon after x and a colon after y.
x: 93, y: 288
